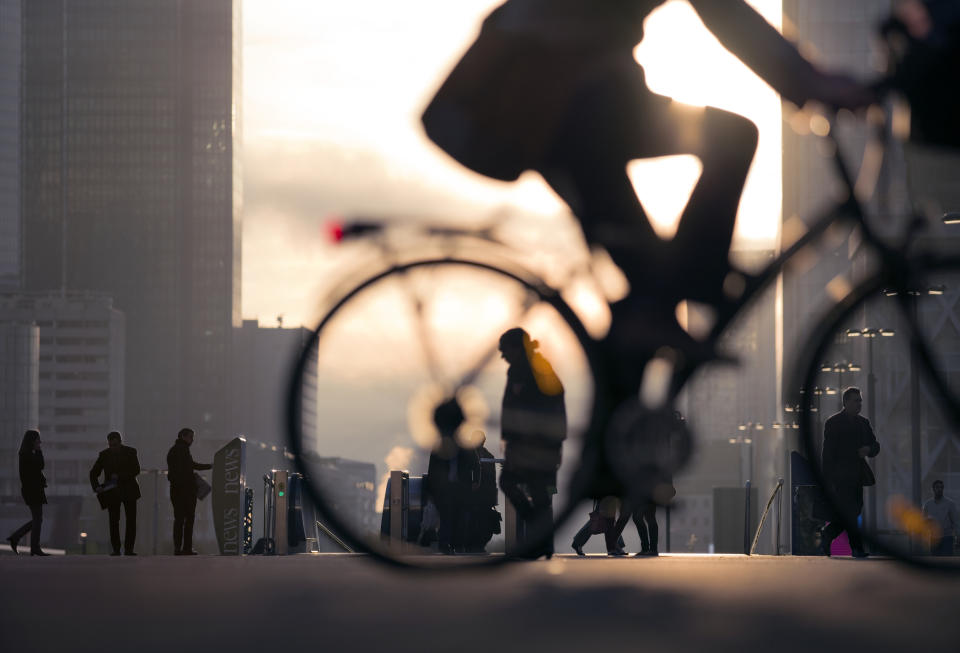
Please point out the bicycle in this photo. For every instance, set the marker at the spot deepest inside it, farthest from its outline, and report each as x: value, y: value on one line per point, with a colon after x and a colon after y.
x: 616, y: 433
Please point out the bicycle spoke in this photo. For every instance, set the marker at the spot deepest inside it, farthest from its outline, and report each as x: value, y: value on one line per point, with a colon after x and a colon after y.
x: 492, y: 352
x: 423, y: 332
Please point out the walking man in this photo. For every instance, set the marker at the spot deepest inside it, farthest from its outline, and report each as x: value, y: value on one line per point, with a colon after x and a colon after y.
x: 183, y: 491
x: 848, y: 440
x: 533, y: 424
x: 943, y: 513
x: 120, y: 467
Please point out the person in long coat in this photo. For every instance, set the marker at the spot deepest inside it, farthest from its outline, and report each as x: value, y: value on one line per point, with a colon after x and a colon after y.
x: 120, y: 467
x: 533, y: 426
x: 848, y: 440
x: 183, y: 491
x: 32, y: 483
x: 451, y: 474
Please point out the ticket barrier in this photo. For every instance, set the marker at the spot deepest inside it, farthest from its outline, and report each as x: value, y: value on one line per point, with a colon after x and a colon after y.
x: 290, y: 522
x: 284, y: 530
x: 403, y: 504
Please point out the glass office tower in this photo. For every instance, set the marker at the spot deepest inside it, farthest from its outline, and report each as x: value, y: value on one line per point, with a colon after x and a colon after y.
x: 131, y: 186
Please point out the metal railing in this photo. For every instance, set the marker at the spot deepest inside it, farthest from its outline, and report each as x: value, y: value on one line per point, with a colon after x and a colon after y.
x: 333, y: 536
x: 776, y: 494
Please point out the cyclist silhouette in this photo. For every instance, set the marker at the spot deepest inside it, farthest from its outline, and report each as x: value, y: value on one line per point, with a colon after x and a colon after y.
x: 552, y: 86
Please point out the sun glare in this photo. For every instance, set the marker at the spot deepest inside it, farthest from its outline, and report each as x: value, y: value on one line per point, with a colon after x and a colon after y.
x: 696, y: 69
x: 663, y: 186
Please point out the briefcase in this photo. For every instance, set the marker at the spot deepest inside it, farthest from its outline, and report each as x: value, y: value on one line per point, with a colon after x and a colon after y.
x: 866, y: 474
x: 107, y: 494
x: 203, y: 488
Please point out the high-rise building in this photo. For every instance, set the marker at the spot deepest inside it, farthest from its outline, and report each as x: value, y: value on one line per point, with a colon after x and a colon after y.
x: 19, y: 396
x: 264, y: 358
x: 131, y: 186
x: 80, y: 373
x: 10, y: 68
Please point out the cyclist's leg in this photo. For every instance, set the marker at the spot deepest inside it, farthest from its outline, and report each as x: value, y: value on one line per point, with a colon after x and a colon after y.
x: 726, y: 143
x: 615, y: 119
x: 586, y: 166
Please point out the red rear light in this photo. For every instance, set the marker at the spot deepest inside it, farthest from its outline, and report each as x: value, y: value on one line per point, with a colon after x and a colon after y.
x: 334, y: 229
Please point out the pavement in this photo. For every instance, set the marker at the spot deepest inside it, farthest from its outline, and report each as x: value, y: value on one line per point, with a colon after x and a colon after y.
x: 343, y: 602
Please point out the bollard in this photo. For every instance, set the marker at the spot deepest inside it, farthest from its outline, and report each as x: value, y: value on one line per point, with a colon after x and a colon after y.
x: 396, y: 511
x: 281, y: 544
x: 156, y: 492
x: 509, y: 528
x: 779, y: 511
x: 746, y: 522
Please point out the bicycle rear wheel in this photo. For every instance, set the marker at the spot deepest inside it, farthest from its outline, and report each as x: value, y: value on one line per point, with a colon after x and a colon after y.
x: 378, y: 379
x: 897, y: 343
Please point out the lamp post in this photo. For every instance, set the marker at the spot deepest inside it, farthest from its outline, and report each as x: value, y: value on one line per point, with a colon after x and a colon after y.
x: 793, y: 425
x: 745, y: 436
x: 839, y: 369
x: 915, y: 438
x: 869, y: 334
x: 817, y: 392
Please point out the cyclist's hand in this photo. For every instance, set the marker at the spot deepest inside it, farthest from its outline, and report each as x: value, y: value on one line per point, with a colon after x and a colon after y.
x: 843, y: 92
x: 916, y: 18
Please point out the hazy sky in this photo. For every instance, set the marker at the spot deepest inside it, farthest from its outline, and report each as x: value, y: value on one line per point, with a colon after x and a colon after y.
x: 332, y: 97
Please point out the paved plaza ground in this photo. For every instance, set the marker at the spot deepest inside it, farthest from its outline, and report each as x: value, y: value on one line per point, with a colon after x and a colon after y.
x: 351, y: 603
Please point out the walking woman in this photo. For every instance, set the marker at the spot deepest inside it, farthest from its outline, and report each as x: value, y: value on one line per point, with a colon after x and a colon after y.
x: 32, y: 482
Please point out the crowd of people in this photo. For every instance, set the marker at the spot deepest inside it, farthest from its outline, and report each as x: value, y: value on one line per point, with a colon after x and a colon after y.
x: 118, y: 466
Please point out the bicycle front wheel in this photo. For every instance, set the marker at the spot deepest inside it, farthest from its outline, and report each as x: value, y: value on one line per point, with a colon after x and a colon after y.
x: 386, y: 362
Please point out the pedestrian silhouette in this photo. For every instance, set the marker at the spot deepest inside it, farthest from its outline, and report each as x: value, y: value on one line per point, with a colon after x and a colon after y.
x: 645, y: 519
x: 120, y: 467
x: 602, y: 520
x: 533, y: 426
x: 942, y: 515
x: 484, y: 520
x: 848, y: 440
x: 451, y: 473
x: 32, y: 483
x: 183, y: 491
